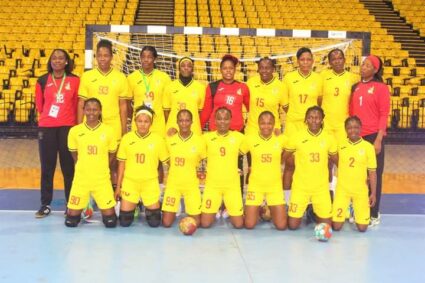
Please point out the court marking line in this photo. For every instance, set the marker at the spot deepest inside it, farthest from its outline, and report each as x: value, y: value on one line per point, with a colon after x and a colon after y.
x: 241, y: 255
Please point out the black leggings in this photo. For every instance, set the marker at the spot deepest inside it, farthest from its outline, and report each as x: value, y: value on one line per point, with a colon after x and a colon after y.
x: 379, y: 171
x: 50, y: 142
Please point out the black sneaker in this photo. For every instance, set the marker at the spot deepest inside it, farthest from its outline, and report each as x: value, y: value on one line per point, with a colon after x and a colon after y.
x: 43, y: 211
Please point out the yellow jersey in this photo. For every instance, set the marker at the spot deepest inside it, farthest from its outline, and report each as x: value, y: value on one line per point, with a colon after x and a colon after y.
x: 190, y: 97
x: 311, y: 153
x: 222, y: 159
x: 149, y: 89
x: 264, y: 97
x: 300, y: 93
x: 142, y: 155
x: 185, y: 155
x: 336, y: 96
x: 109, y: 88
x: 354, y: 160
x: 93, y: 146
x: 266, y: 154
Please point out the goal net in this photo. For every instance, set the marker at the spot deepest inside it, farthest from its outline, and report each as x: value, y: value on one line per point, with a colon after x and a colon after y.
x: 207, y: 45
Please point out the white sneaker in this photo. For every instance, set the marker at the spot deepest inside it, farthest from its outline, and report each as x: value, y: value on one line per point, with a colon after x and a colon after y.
x: 374, y: 221
x: 225, y: 214
x: 218, y: 215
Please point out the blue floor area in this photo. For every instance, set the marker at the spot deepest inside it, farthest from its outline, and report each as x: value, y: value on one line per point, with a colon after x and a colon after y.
x: 30, y: 200
x: 44, y: 250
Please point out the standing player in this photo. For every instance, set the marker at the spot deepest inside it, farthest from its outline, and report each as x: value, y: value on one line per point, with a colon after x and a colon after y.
x: 337, y: 83
x: 139, y: 154
x: 370, y: 101
x: 311, y: 148
x: 222, y: 181
x: 356, y: 165
x: 93, y: 146
x: 110, y: 87
x: 266, y: 177
x: 266, y: 94
x: 56, y: 96
x: 302, y: 89
x: 186, y: 152
x: 147, y: 87
x: 184, y: 93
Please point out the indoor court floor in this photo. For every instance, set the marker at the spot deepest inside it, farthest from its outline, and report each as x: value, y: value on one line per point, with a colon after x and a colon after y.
x: 44, y: 250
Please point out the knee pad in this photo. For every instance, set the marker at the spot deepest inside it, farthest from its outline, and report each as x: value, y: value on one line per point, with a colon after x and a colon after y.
x: 72, y: 221
x: 126, y: 218
x: 153, y: 217
x: 110, y: 221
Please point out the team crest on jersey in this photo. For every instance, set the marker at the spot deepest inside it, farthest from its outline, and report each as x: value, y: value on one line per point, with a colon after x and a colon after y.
x: 102, y: 137
x: 371, y: 90
x: 232, y: 140
x: 275, y: 91
x: 239, y: 91
x: 150, y: 146
x: 193, y: 149
x: 362, y: 151
x: 322, y: 144
x: 68, y: 86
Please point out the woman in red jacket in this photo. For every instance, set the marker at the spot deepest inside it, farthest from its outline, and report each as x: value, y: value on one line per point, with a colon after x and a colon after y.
x: 370, y: 101
x: 56, y: 98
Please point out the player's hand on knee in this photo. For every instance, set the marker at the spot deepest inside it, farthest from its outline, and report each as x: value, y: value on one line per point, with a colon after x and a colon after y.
x: 117, y: 193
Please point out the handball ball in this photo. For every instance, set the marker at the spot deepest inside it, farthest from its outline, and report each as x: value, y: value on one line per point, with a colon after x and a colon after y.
x: 265, y: 213
x: 323, y: 232
x: 187, y: 225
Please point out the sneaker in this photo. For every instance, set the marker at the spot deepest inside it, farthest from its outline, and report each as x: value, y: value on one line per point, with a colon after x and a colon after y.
x: 218, y: 215
x: 374, y: 221
x: 309, y: 213
x: 224, y: 214
x: 43, y: 211
x: 351, y: 214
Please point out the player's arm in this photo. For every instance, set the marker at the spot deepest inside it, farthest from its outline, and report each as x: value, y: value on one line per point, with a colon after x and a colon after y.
x: 287, y: 154
x: 120, y: 177
x: 80, y: 110
x: 334, y: 158
x: 74, y: 155
x: 208, y: 107
x: 319, y: 100
x: 372, y: 184
x: 123, y: 115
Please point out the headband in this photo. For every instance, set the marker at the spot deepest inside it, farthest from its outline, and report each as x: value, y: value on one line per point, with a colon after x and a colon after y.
x: 375, y: 61
x: 143, y: 111
x: 184, y: 59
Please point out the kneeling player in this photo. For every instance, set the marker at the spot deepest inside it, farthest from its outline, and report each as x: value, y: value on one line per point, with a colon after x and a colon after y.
x: 222, y: 180
x: 186, y: 151
x: 93, y: 146
x: 266, y: 176
x: 311, y: 148
x: 139, y: 154
x: 357, y: 162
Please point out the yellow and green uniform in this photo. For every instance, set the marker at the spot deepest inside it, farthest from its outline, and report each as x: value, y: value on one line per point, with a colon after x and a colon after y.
x: 149, y: 89
x: 355, y: 159
x: 190, y: 97
x: 185, y: 156
x: 93, y: 146
x: 300, y: 93
x: 264, y: 97
x: 109, y: 88
x: 310, y: 180
x: 336, y: 97
x: 222, y: 180
x: 265, y: 180
x: 141, y: 155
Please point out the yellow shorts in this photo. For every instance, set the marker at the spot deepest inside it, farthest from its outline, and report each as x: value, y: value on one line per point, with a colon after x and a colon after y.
x: 115, y: 124
x: 292, y: 127
x: 192, y: 199
x: 147, y: 190
x: 360, y: 206
x: 255, y: 197
x: 339, y: 134
x: 212, y: 198
x: 103, y: 195
x: 321, y: 201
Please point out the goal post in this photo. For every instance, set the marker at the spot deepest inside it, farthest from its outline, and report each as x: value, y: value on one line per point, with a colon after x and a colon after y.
x: 207, y: 45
